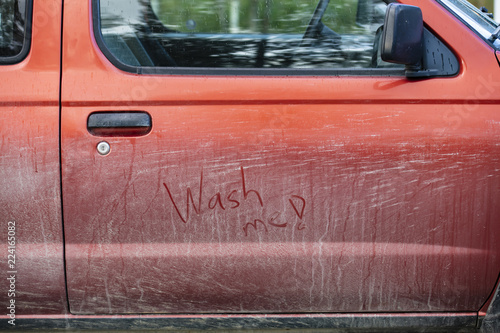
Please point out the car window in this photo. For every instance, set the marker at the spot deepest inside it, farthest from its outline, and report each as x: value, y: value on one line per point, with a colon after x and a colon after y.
x: 14, y: 24
x: 243, y: 34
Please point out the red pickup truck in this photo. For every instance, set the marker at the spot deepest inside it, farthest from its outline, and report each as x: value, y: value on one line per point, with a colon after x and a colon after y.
x: 242, y: 164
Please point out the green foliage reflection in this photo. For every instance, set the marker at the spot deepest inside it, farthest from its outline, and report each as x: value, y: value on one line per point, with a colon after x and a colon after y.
x: 252, y: 16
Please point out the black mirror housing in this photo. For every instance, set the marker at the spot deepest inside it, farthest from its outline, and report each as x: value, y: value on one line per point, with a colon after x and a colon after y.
x: 402, y: 39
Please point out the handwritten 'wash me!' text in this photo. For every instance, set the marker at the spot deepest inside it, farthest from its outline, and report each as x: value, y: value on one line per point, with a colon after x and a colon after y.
x: 232, y: 200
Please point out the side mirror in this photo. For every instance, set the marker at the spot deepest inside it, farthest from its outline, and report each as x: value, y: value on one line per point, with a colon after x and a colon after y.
x: 402, y: 39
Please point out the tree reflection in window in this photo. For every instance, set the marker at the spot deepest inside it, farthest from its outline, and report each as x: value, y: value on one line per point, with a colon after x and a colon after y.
x: 12, y: 27
x: 243, y: 33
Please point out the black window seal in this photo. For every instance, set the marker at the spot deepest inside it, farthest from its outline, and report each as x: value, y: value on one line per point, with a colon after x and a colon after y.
x: 12, y: 60
x: 202, y: 71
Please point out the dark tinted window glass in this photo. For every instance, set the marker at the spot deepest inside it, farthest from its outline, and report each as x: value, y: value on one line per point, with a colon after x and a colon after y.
x: 13, y: 22
x: 306, y: 34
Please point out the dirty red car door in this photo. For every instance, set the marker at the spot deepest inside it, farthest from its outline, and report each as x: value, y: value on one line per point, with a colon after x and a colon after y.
x: 30, y: 202
x: 232, y: 186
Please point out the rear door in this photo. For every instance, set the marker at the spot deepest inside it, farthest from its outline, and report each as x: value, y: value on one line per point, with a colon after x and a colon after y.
x: 30, y: 203
x: 243, y: 157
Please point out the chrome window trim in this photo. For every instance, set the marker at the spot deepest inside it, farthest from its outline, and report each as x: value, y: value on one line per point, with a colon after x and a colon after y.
x: 470, y: 22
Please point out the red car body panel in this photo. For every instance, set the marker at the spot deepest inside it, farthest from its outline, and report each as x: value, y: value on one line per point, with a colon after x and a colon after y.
x: 281, y: 194
x: 29, y: 172
x: 252, y: 201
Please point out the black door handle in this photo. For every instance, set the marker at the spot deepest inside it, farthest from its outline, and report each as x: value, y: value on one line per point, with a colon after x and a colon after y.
x: 136, y: 123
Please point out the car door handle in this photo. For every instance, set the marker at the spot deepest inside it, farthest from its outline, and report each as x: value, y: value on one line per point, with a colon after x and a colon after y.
x: 135, y: 123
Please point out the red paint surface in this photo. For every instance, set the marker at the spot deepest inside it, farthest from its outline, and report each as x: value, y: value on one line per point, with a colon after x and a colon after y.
x: 255, y: 194
x: 29, y: 171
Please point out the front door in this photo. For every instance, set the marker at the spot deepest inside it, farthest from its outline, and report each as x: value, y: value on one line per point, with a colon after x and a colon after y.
x: 258, y: 157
